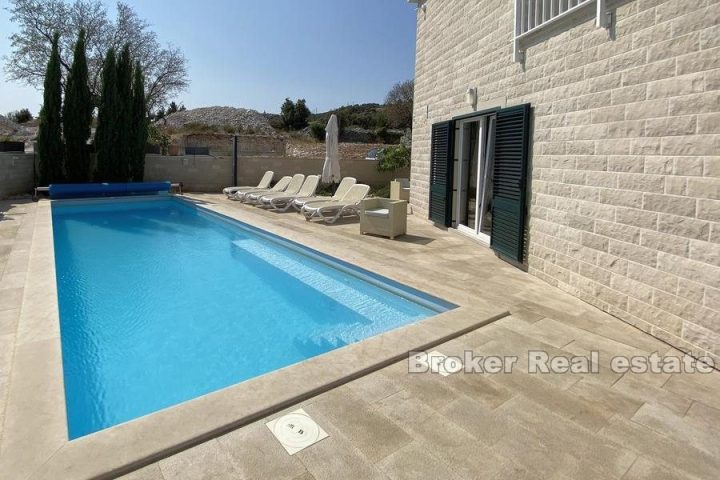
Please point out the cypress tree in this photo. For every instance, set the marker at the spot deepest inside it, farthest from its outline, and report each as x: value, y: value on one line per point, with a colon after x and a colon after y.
x: 50, y: 146
x: 77, y: 116
x: 139, y: 126
x: 124, y: 116
x: 105, y: 134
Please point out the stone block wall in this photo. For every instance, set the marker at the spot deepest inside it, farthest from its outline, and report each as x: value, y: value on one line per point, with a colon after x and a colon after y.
x: 210, y: 174
x: 16, y: 173
x: 625, y: 151
x: 204, y: 173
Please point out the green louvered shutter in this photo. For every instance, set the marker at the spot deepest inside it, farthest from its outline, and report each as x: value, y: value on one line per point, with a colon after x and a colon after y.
x: 441, y: 172
x: 510, y: 181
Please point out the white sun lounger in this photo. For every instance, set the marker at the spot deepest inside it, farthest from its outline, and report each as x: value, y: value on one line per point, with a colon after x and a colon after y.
x: 283, y: 200
x: 263, y: 183
x: 342, y: 189
x: 292, y: 188
x: 329, y: 211
x: 279, y: 187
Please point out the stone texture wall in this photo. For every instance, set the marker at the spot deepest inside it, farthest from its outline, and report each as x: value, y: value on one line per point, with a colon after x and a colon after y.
x: 625, y: 152
x: 211, y: 174
x: 16, y: 173
x: 204, y: 173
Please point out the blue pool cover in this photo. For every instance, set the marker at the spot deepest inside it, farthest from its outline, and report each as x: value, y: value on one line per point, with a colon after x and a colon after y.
x: 90, y: 190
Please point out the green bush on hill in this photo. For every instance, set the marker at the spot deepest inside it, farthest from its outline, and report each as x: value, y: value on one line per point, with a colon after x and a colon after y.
x: 317, y: 130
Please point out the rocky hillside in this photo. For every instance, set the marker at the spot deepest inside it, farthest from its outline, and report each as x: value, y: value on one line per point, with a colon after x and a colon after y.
x: 14, y: 131
x: 228, y: 119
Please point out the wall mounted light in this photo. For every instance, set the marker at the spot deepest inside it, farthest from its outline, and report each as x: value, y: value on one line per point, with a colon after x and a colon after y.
x: 471, y: 96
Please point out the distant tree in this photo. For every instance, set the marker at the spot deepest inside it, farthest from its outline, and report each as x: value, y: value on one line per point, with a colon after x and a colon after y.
x: 165, y: 66
x: 50, y: 146
x: 317, y: 130
x: 172, y: 108
x: 181, y: 108
x: 287, y: 114
x: 302, y: 113
x: 139, y: 126
x: 77, y: 116
x: 123, y: 127
x: 20, y: 116
x: 399, y: 104
x: 105, y: 134
x: 160, y: 114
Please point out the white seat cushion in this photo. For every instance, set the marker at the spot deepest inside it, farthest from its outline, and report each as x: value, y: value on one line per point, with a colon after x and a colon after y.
x: 378, y: 212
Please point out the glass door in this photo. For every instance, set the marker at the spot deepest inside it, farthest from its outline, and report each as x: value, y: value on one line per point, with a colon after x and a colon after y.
x: 474, y: 195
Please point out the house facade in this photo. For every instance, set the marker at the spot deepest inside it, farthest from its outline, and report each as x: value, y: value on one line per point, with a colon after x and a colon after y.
x: 580, y: 139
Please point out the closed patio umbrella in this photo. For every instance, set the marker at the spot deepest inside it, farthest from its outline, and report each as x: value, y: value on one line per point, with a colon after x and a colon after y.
x: 331, y: 167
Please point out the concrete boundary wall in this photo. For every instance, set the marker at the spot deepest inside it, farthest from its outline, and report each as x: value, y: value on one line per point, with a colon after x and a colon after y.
x: 211, y: 174
x: 202, y: 173
x: 16, y: 173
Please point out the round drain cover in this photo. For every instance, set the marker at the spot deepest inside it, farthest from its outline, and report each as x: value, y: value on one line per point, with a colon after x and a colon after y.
x: 296, y: 430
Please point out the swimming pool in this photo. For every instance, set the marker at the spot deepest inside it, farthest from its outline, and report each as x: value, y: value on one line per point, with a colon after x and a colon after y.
x: 161, y: 301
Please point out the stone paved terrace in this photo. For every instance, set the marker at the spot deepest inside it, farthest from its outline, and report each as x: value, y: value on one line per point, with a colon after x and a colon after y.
x: 391, y: 424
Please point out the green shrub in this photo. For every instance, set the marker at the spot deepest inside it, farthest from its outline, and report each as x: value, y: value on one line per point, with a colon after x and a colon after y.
x: 317, y: 130
x: 393, y: 158
x: 324, y: 189
x: 158, y: 137
x: 20, y: 116
x: 382, y: 191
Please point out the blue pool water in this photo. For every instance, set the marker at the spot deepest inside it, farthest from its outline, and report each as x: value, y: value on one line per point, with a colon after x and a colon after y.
x: 161, y: 302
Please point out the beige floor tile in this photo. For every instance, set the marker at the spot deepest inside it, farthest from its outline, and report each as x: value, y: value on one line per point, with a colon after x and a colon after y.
x: 614, y: 400
x: 561, y: 434
x: 405, y: 410
x: 151, y: 472
x: 416, y: 461
x: 701, y: 415
x: 13, y: 280
x: 647, y: 469
x: 368, y: 429
x: 336, y: 457
x: 256, y: 453
x: 374, y: 387
x: 207, y: 461
x: 487, y: 425
x: 665, y: 422
x: 636, y: 386
x: 660, y: 449
x: 11, y: 298
x: 9, y: 321
x: 587, y: 414
x: 465, y: 453
x: 704, y: 388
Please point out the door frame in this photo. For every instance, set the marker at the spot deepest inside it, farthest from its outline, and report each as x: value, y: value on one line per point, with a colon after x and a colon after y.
x: 460, y: 122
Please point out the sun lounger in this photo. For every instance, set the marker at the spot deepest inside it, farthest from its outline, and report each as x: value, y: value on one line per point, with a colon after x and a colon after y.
x: 331, y: 210
x: 292, y: 188
x: 279, y: 187
x: 342, y: 189
x: 263, y: 183
x: 283, y: 200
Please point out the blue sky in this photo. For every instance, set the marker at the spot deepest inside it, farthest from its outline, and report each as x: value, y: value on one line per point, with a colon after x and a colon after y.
x: 254, y: 53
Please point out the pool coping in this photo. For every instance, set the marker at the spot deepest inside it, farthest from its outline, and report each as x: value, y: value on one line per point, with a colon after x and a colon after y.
x: 35, y: 444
